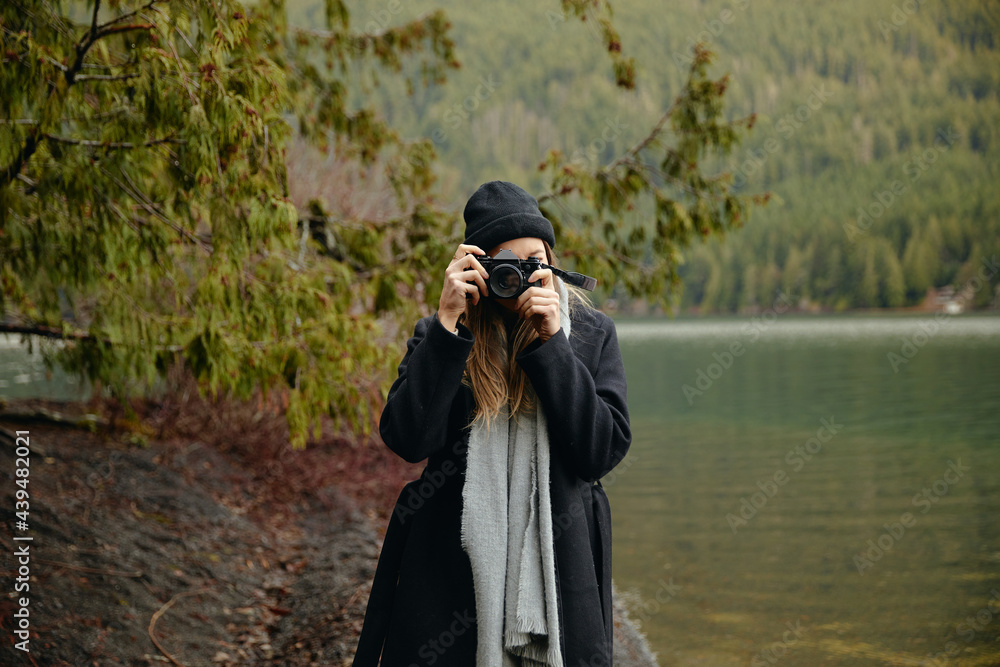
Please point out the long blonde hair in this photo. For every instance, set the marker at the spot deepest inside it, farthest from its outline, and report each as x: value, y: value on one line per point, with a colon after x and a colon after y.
x: 496, y: 380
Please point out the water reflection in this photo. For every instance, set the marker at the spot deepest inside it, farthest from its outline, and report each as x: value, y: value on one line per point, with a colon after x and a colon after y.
x: 762, y: 518
x: 790, y: 329
x: 23, y: 373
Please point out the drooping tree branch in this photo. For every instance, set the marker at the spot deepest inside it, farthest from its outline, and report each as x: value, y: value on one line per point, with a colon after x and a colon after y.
x: 11, y: 171
x: 93, y: 143
x: 43, y: 331
x: 106, y: 77
x: 92, y: 38
x: 93, y: 35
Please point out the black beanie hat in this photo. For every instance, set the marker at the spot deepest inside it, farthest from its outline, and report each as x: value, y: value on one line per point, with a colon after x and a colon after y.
x: 500, y: 211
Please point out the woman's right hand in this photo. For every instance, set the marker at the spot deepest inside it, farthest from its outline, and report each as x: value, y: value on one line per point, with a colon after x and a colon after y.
x: 464, y: 279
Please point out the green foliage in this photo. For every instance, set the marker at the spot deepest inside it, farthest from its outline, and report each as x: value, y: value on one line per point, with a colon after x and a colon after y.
x: 146, y: 215
x: 892, y: 79
x: 147, y: 208
x: 668, y: 177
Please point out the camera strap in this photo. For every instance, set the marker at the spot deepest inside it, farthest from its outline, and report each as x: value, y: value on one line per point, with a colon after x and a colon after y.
x: 576, y: 279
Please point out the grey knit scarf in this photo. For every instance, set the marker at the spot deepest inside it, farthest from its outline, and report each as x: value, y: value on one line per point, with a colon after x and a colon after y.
x: 507, y: 533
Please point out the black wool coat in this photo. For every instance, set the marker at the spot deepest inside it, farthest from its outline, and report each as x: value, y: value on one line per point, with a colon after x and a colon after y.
x: 422, y: 608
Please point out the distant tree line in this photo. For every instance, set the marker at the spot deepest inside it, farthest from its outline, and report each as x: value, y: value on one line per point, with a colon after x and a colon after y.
x: 851, y: 98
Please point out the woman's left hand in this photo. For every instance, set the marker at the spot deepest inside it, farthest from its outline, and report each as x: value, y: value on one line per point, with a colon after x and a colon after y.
x: 540, y: 305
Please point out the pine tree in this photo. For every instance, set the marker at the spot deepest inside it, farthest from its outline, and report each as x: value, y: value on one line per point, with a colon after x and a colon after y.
x: 868, y: 290
x: 893, y: 286
x: 918, y: 265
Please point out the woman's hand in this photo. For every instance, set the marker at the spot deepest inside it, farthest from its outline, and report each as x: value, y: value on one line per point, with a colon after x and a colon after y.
x: 464, y: 279
x: 540, y: 305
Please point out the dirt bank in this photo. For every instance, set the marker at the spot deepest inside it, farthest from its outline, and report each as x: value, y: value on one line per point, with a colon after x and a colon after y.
x: 198, y: 538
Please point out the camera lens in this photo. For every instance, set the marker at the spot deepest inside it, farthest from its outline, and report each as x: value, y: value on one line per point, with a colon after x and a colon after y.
x: 505, y: 280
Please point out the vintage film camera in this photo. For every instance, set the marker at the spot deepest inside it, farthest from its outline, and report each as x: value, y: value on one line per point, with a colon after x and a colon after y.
x: 509, y: 275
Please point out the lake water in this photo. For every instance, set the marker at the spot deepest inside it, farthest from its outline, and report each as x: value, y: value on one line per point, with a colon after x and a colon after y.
x: 23, y: 374
x: 824, y: 491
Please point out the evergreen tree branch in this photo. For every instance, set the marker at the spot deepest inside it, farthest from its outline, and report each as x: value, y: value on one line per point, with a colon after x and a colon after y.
x: 67, y: 119
x: 95, y: 33
x: 83, y: 46
x: 92, y: 143
x: 98, y: 32
x: 50, y: 17
x: 377, y: 34
x: 13, y: 169
x: 106, y: 77
x: 135, y: 193
x: 53, y: 61
x: 629, y: 156
x: 181, y: 71
x: 43, y: 331
x: 181, y: 33
x: 124, y: 17
x: 93, y: 21
x: 104, y: 32
x: 640, y: 146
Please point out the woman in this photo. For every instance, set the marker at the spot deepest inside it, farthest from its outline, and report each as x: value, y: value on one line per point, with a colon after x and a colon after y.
x: 500, y: 554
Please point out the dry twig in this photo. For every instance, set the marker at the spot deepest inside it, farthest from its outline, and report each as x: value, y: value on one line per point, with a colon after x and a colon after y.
x: 160, y: 612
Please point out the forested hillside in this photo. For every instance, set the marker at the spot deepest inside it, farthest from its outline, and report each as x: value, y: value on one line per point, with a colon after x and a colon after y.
x: 877, y: 129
